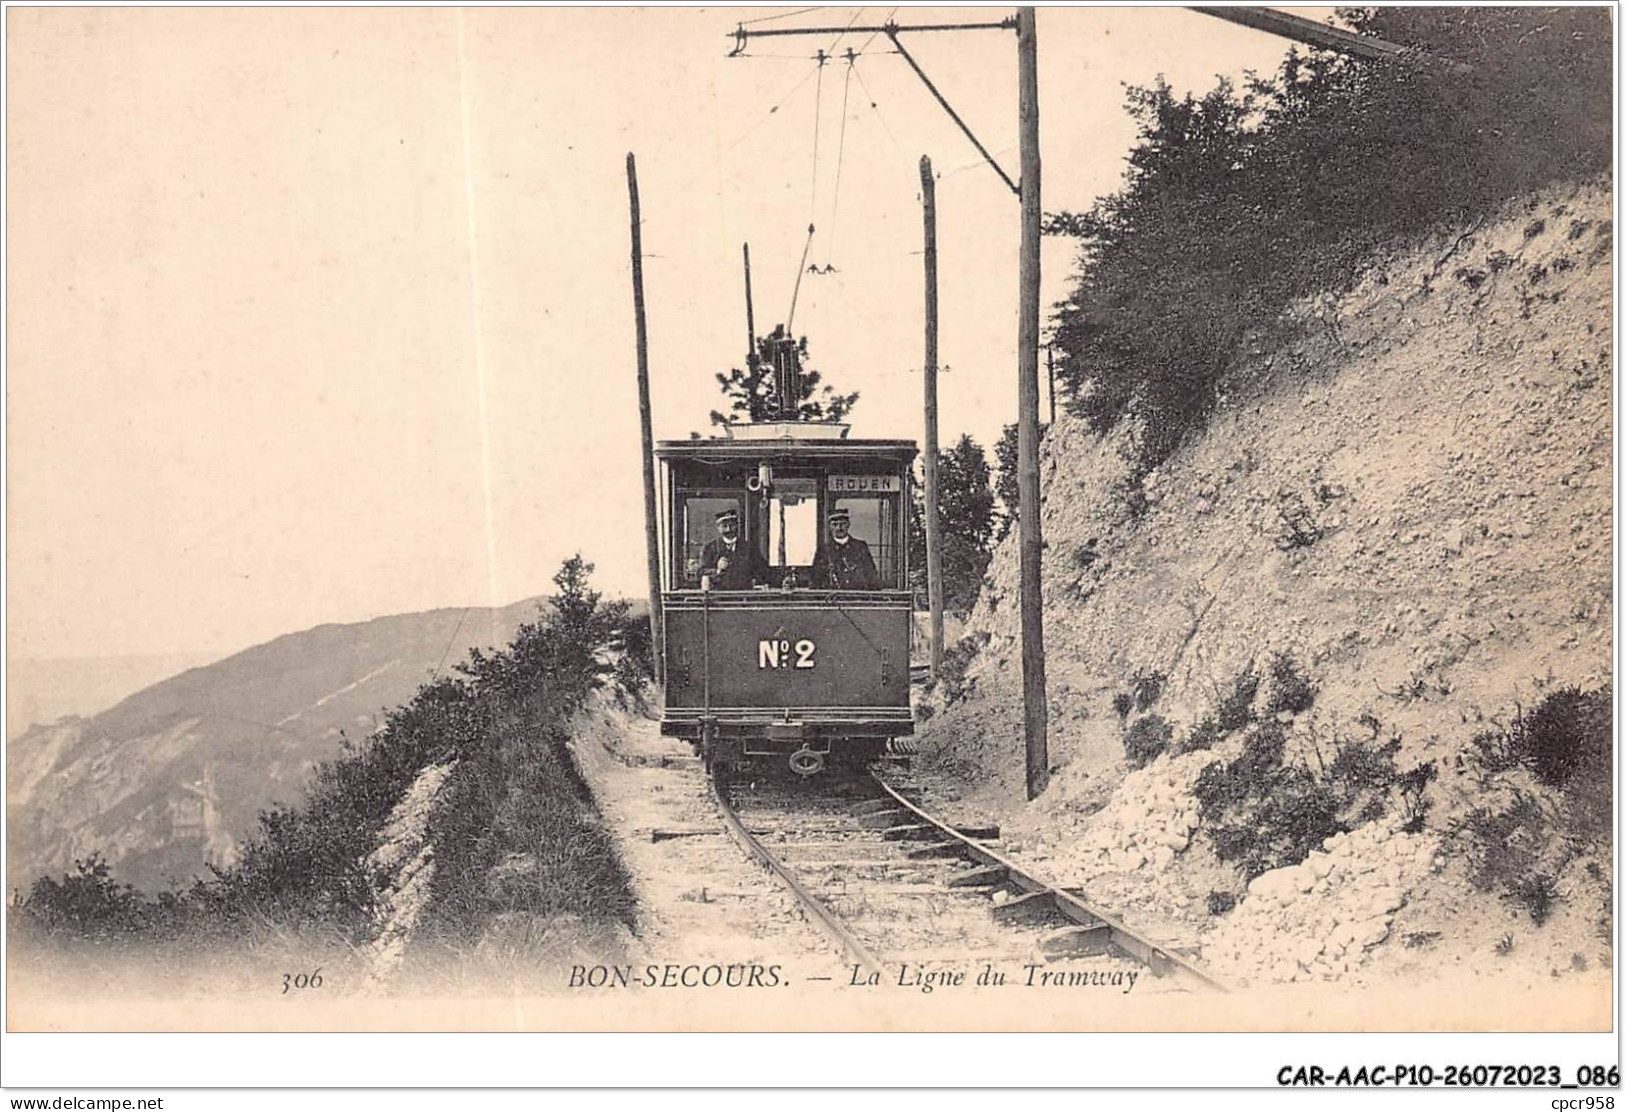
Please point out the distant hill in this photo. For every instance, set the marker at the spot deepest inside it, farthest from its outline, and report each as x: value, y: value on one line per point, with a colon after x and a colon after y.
x: 175, y: 775
x: 44, y: 689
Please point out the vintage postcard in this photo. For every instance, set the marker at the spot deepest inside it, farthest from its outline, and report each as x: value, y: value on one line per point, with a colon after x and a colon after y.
x: 797, y: 520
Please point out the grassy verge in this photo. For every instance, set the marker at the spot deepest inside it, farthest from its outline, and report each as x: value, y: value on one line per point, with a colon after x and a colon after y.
x: 513, y: 831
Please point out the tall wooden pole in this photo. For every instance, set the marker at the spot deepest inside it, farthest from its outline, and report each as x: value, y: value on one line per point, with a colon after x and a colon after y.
x: 933, y: 526
x: 750, y: 317
x: 651, y: 529
x: 1036, y: 703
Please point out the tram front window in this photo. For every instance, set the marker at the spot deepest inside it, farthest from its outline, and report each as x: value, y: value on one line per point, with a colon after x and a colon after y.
x: 792, y: 524
x: 699, y: 528
x: 873, y: 521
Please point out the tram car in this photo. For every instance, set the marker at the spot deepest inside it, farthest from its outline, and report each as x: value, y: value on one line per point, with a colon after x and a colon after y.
x: 785, y: 594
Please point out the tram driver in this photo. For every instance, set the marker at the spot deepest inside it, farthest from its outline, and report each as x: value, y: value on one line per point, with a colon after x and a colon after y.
x: 732, y: 563
x: 844, y: 564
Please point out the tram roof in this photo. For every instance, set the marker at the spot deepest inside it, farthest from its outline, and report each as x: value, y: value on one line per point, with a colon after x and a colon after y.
x: 722, y: 450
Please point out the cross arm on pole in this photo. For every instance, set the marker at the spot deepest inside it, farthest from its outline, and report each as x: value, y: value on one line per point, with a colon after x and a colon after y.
x: 741, y: 36
x: 891, y: 30
x: 975, y: 142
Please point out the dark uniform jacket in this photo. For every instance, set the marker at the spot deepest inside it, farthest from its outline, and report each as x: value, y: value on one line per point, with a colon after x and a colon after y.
x: 745, y: 569
x: 845, y: 567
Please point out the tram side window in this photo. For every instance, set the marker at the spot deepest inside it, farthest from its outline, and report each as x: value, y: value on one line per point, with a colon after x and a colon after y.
x: 699, y: 528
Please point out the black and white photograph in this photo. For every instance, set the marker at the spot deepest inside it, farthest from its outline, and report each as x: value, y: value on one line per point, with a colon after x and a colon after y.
x: 753, y: 520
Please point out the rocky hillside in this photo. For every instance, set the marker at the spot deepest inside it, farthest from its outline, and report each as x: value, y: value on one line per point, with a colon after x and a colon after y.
x: 175, y: 775
x: 1411, y: 499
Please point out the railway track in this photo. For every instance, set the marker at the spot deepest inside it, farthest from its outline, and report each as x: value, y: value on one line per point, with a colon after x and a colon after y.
x: 890, y: 881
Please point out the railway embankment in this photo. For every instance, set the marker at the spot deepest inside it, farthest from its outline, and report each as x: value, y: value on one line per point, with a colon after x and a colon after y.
x: 1330, y: 687
x: 699, y: 900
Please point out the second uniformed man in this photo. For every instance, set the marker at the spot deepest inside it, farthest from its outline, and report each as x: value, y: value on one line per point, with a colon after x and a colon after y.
x: 844, y: 563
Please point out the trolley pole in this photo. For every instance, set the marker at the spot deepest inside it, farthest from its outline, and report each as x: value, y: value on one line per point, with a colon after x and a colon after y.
x: 933, y: 525
x: 1034, y: 697
x: 651, y: 529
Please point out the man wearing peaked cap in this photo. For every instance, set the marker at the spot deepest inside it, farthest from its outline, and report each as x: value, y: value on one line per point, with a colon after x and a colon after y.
x: 844, y: 563
x: 732, y: 562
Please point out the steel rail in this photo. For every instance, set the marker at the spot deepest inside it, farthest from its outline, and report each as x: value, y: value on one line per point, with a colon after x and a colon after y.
x: 751, y: 845
x: 1158, y: 958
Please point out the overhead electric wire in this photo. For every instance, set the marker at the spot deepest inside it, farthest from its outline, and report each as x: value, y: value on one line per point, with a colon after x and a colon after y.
x: 775, y: 57
x: 785, y: 100
x: 846, y: 86
x: 973, y: 164
x: 849, y: 24
x: 820, y: 60
x: 780, y: 15
x: 450, y: 641
x: 874, y: 104
x: 840, y: 161
x: 818, y: 116
x: 864, y: 85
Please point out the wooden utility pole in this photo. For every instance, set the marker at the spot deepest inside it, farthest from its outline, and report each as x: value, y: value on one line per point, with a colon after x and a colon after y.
x: 750, y: 316
x: 651, y: 528
x: 933, y: 525
x: 1033, y: 688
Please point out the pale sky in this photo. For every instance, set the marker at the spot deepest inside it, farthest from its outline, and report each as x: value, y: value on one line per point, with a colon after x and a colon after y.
x: 321, y: 314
